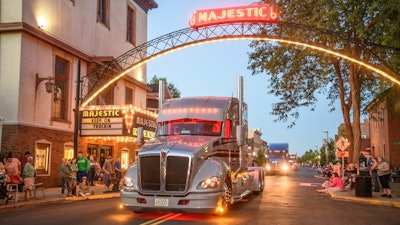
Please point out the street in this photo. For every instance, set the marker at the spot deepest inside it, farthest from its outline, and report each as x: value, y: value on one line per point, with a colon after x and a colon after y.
x: 288, y: 199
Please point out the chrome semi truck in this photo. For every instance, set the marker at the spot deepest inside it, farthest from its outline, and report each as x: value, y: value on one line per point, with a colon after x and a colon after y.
x: 197, y: 161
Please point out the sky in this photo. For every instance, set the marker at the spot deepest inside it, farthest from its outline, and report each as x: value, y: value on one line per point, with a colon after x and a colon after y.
x: 212, y: 69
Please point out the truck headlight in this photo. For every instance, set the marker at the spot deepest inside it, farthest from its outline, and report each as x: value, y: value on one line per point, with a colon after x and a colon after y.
x: 285, y: 167
x: 128, y: 181
x: 210, y: 183
x: 129, y: 184
x: 268, y: 167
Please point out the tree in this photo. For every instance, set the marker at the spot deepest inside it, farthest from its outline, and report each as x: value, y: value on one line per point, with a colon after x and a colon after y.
x: 363, y: 29
x: 175, y: 93
x: 260, y: 157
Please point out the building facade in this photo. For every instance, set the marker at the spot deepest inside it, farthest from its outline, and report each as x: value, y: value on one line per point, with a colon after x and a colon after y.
x: 43, y: 43
x: 384, y: 123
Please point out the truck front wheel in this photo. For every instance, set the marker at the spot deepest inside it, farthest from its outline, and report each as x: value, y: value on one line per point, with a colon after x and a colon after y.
x: 226, y: 200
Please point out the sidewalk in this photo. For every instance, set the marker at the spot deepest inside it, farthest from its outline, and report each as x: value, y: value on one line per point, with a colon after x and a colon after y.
x: 53, y: 195
x: 376, y: 199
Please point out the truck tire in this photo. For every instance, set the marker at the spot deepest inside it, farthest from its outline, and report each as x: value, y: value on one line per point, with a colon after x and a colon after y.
x: 260, y: 186
x: 226, y: 199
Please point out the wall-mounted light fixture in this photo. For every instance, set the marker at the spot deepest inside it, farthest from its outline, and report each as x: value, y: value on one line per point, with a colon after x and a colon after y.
x: 49, y: 84
x: 41, y: 22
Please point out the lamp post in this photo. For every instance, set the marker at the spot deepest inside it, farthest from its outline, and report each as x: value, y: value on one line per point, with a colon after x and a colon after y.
x: 326, y: 145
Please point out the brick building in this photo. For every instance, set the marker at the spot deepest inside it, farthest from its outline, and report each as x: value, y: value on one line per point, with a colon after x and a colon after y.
x: 42, y: 42
x: 384, y: 123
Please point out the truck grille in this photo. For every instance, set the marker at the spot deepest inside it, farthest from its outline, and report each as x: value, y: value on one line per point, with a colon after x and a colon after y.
x: 176, y: 173
x: 150, y: 173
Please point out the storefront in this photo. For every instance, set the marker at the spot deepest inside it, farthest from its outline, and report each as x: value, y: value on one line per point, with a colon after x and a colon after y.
x: 111, y: 130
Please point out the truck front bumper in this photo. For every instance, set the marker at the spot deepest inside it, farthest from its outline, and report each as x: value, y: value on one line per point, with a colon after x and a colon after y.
x: 191, y: 203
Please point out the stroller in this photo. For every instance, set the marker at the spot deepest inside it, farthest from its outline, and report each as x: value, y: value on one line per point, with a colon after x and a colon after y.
x: 3, y: 189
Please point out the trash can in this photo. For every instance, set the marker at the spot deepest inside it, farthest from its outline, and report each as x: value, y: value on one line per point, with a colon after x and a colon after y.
x: 363, y: 186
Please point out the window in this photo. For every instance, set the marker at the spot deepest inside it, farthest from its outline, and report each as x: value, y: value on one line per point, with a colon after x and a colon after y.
x: 125, y: 158
x: 103, y: 12
x: 131, y: 26
x: 60, y: 89
x: 68, y: 151
x: 128, y: 96
x: 42, y: 156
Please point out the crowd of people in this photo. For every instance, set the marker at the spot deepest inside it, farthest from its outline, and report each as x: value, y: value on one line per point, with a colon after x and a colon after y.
x: 17, y: 175
x: 77, y: 175
x: 379, y: 170
x: 82, y: 173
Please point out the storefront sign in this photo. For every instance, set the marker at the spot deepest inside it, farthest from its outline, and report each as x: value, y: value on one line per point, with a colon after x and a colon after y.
x: 252, y: 13
x: 116, y: 122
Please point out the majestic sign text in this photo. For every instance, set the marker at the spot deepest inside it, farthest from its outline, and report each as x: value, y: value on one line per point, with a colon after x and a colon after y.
x: 253, y: 13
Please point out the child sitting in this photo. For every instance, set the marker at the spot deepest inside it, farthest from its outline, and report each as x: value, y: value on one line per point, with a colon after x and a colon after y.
x: 84, y: 188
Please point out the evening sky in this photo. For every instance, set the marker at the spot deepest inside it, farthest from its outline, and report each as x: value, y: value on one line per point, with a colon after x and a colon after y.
x: 212, y: 69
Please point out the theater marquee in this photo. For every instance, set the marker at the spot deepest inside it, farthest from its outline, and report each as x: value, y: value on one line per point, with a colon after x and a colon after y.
x: 116, y: 121
x: 252, y: 13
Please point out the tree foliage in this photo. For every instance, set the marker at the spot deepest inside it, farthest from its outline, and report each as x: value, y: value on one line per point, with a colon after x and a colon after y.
x: 368, y: 30
x: 175, y: 93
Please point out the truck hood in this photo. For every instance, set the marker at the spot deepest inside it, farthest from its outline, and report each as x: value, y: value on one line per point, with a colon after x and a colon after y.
x: 185, y: 143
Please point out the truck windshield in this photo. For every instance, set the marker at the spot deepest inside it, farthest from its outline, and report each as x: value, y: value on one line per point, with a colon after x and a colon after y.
x: 277, y: 155
x: 189, y: 127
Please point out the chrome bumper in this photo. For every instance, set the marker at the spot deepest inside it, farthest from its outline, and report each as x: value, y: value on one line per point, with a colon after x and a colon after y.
x: 197, y: 202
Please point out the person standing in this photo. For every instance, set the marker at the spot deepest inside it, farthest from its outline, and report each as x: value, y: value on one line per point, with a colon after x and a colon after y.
x: 374, y: 173
x: 74, y: 181
x: 92, y: 170
x: 117, y: 168
x: 24, y: 159
x: 118, y: 174
x: 107, y: 169
x: 83, y: 166
x: 29, y: 177
x: 384, y: 176
x: 65, y: 173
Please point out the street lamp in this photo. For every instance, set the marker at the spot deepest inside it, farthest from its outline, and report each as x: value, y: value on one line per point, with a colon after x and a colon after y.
x: 326, y: 145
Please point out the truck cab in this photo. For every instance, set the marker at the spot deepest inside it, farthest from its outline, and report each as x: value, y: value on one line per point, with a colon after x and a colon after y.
x: 196, y: 162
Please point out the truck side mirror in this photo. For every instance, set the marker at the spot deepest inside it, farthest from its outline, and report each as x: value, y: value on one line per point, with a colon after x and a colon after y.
x: 139, y: 138
x: 240, y: 135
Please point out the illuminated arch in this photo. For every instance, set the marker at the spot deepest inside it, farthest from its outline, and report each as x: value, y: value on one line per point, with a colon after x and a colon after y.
x: 187, y: 37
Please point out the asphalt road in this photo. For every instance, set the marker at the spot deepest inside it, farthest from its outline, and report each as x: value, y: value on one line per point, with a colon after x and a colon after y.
x: 286, y: 200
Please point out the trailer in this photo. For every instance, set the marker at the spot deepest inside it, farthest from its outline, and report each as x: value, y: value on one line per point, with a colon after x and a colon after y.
x: 197, y: 162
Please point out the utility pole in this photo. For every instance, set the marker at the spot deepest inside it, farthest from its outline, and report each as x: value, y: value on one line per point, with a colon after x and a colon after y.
x: 76, y: 110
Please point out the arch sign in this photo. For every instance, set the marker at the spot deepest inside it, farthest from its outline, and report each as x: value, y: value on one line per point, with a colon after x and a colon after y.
x: 259, y: 13
x: 219, y: 24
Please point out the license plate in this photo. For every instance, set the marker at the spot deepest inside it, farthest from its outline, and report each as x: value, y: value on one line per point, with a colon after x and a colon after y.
x: 161, y: 202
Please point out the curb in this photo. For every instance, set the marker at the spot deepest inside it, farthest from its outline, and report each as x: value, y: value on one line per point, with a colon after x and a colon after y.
x: 105, y: 196
x: 365, y: 200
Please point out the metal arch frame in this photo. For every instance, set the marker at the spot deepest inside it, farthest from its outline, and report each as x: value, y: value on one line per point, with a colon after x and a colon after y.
x: 108, y: 74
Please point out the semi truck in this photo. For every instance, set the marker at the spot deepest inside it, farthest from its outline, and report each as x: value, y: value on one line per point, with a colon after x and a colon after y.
x: 277, y: 162
x: 197, y: 162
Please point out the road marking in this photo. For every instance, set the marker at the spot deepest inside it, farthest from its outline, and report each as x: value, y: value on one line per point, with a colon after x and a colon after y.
x: 162, y: 219
x: 310, y: 184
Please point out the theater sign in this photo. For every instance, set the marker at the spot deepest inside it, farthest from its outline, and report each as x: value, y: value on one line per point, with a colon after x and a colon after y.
x: 251, y: 13
x: 114, y: 120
